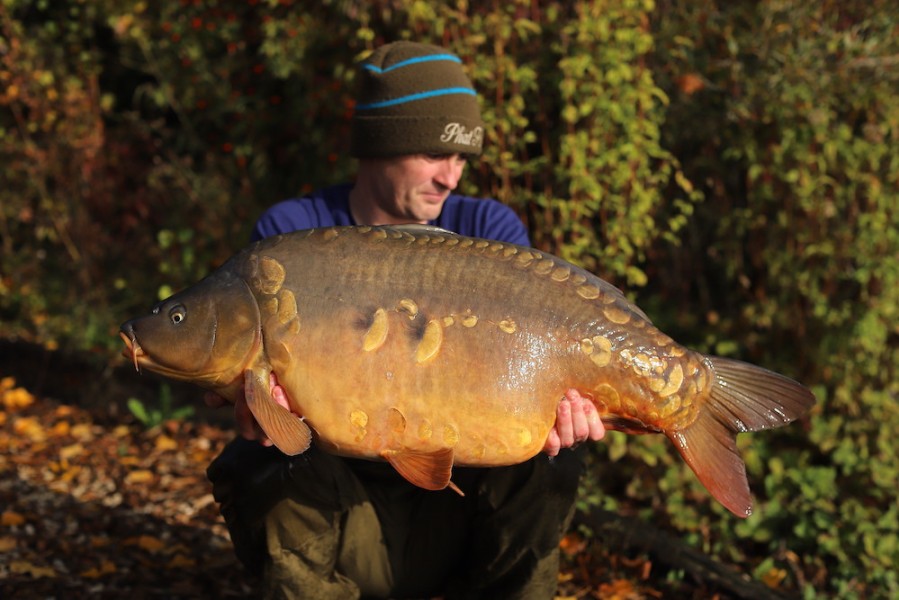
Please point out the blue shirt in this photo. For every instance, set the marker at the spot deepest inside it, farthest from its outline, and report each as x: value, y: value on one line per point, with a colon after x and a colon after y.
x: 329, y: 207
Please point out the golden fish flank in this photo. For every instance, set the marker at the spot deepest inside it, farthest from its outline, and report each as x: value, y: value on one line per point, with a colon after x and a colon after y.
x: 469, y: 320
x: 616, y: 315
x: 524, y: 437
x: 430, y: 342
x: 359, y: 420
x: 271, y: 275
x: 286, y: 306
x: 450, y: 435
x: 377, y: 332
x: 507, y: 326
x: 396, y: 421
x: 408, y: 306
x: 599, y: 349
x: 560, y: 274
x: 425, y: 431
x: 588, y: 292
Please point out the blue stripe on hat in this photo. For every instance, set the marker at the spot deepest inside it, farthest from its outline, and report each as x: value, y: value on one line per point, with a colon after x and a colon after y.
x: 412, y: 61
x: 418, y: 96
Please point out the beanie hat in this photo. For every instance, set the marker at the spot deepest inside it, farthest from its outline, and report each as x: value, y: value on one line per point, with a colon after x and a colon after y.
x: 415, y: 99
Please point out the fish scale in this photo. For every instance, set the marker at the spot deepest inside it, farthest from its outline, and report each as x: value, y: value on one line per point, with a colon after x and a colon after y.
x: 428, y: 349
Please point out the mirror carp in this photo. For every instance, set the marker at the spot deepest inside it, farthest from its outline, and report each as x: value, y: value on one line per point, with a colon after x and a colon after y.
x: 429, y: 349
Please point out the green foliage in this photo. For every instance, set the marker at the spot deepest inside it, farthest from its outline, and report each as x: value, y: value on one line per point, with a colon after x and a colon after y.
x: 153, y: 417
x: 138, y: 142
x: 794, y: 118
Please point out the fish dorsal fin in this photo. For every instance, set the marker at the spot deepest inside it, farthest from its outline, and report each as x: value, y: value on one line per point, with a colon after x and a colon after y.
x: 428, y: 470
x: 286, y: 430
x: 420, y: 228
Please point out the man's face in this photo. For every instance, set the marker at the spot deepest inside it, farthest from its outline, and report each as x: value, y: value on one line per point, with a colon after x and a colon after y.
x: 414, y: 188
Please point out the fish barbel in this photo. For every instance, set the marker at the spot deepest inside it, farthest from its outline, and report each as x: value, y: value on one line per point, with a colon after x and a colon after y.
x: 429, y: 349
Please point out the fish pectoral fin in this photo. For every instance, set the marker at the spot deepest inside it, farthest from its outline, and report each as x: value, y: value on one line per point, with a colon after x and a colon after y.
x: 627, y: 425
x: 286, y: 430
x: 428, y: 470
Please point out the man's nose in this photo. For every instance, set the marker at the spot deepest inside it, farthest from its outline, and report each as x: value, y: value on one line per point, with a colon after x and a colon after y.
x: 450, y: 172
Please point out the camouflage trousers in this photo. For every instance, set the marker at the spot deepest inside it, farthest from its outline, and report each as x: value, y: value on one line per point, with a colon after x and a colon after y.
x: 320, y: 526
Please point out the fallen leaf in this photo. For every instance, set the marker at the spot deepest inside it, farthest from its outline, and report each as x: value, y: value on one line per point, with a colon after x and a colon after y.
x: 17, y: 398
x: 83, y: 432
x: 30, y: 428
x: 121, y: 431
x: 181, y: 561
x: 106, y: 568
x: 164, y: 442
x: 11, y: 519
x: 61, y: 429
x: 150, y: 543
x: 572, y: 543
x: 7, y: 543
x: 139, y: 476
x: 70, y: 451
x: 23, y: 567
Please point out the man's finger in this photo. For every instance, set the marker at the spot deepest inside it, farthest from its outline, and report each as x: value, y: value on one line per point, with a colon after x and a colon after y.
x: 579, y: 426
x: 552, y: 445
x: 594, y: 422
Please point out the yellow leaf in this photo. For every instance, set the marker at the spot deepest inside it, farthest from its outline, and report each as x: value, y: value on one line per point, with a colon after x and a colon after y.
x: 10, y: 519
x: 7, y: 543
x: 121, y: 431
x: 7, y: 383
x: 106, y: 567
x: 23, y: 567
x: 70, y: 451
x: 150, y: 543
x: 139, y: 476
x: 83, y: 432
x: 60, y: 429
x: 179, y: 560
x: 17, y: 398
x: 774, y: 577
x: 30, y: 427
x: 164, y: 442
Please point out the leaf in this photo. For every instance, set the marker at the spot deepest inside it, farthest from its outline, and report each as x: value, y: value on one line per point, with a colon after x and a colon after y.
x: 24, y: 567
x: 70, y: 451
x: 30, y: 428
x: 7, y: 543
x: 139, y: 476
x: 150, y: 543
x: 106, y: 568
x: 164, y: 442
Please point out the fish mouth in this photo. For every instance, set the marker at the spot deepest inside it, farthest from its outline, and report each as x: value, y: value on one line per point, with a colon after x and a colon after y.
x: 132, y: 348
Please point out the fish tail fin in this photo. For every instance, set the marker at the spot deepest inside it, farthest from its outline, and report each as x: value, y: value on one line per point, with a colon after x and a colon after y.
x: 743, y: 398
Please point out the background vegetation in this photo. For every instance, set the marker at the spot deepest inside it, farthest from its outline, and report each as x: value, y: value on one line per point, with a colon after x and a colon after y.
x: 734, y: 165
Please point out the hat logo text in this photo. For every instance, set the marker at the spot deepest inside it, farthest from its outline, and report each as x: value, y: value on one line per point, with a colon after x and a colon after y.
x: 456, y: 133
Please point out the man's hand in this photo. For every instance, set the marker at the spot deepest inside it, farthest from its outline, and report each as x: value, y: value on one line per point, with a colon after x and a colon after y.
x: 576, y: 421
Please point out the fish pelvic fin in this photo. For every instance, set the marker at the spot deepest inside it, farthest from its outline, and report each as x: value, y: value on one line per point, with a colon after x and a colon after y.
x: 428, y: 470
x: 286, y: 430
x: 743, y: 398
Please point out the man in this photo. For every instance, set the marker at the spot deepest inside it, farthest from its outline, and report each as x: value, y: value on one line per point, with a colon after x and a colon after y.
x: 321, y: 526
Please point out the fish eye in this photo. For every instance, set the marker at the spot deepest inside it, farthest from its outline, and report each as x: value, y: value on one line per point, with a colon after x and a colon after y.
x: 177, y: 314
